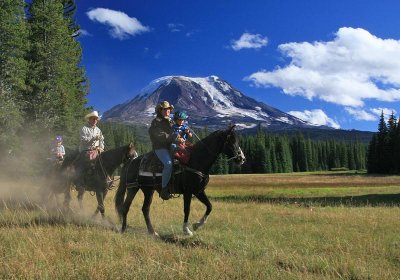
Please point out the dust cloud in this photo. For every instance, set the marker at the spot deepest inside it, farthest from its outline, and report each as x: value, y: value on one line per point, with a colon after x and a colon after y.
x: 31, y: 181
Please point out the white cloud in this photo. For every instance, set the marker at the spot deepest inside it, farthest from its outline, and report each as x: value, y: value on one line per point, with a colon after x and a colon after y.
x: 175, y: 27
x: 361, y: 115
x: 249, y: 41
x: 372, y: 114
x: 122, y: 26
x: 353, y: 67
x: 83, y: 32
x: 386, y: 111
x: 316, y: 116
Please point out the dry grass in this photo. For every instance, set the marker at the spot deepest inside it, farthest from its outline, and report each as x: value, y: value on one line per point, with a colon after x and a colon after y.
x: 246, y: 240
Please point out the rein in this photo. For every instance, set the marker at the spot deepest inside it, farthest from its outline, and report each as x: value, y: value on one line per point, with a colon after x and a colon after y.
x: 109, y: 180
x: 110, y: 186
x: 201, y: 174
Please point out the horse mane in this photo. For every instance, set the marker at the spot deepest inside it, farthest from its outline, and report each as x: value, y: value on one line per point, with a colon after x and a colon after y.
x: 207, y: 148
x: 110, y: 159
x: 209, y: 139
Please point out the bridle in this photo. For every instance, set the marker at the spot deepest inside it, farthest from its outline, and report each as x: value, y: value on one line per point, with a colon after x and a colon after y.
x: 126, y: 156
x: 238, y: 154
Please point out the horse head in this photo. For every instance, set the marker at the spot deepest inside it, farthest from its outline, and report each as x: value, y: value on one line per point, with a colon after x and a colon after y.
x: 132, y: 151
x: 231, y: 147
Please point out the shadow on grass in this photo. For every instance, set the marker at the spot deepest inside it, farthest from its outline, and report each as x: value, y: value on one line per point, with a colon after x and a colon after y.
x: 186, y: 241
x: 353, y: 174
x: 62, y: 219
x: 350, y: 201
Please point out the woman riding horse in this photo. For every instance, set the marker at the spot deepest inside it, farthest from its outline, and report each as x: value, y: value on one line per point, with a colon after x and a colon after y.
x: 192, y: 180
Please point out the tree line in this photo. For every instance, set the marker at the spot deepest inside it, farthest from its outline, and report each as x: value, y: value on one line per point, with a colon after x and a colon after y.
x: 384, y: 148
x: 269, y: 153
x: 43, y: 86
x: 265, y: 152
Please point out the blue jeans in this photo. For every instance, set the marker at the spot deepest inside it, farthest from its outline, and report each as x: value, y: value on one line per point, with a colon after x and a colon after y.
x: 165, y: 158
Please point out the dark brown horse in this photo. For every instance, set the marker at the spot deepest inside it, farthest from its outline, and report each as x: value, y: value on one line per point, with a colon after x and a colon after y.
x: 99, y: 179
x: 191, y: 180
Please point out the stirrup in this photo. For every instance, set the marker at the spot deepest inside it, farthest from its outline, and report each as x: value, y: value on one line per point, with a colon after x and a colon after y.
x: 164, y: 194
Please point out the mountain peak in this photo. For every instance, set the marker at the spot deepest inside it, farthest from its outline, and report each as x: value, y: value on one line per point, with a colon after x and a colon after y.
x: 210, y: 101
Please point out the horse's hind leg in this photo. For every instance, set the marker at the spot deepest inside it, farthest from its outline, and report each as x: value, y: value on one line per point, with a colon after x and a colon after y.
x: 148, y: 199
x: 131, y: 193
x: 204, y: 199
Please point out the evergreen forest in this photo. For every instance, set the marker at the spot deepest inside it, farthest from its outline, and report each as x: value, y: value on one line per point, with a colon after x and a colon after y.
x: 43, y: 86
x: 384, y: 148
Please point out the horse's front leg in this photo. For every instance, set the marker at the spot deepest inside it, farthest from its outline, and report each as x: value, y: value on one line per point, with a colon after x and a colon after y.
x: 100, y: 196
x: 187, y: 199
x: 80, y: 198
x: 67, y: 196
x: 148, y: 198
x: 131, y: 193
x: 204, y: 199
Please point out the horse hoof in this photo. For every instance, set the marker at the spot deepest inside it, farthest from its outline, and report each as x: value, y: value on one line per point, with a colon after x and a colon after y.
x: 118, y: 228
x: 187, y: 232
x: 154, y: 234
x: 196, y: 226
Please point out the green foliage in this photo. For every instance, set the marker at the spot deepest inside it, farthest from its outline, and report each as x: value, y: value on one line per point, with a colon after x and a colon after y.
x: 57, y: 82
x: 267, y: 153
x: 43, y: 86
x: 13, y: 70
x: 384, y: 147
x: 118, y: 134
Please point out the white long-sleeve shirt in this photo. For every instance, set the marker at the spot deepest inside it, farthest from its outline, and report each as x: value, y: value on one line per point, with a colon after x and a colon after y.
x: 88, y: 138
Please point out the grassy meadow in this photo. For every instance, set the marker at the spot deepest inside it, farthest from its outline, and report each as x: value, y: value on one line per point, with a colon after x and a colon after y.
x: 270, y: 226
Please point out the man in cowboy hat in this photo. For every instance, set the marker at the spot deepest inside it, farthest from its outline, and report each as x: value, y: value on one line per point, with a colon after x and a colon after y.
x: 162, y: 136
x: 91, y: 137
x: 91, y: 143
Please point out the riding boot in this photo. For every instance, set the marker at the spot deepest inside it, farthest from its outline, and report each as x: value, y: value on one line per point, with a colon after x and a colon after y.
x: 164, y: 194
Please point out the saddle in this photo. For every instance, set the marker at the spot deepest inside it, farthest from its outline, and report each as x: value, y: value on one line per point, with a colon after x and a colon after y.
x: 150, y: 165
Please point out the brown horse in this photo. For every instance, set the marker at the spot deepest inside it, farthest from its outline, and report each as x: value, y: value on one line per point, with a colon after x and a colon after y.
x: 191, y: 180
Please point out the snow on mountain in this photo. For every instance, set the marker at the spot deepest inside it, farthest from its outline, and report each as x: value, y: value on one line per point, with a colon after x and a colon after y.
x: 209, y: 101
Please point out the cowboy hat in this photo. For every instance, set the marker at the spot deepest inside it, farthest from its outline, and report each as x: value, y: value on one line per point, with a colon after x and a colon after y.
x: 164, y: 105
x: 92, y: 114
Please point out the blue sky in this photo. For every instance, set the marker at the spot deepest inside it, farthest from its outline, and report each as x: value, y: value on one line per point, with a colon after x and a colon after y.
x: 335, y: 63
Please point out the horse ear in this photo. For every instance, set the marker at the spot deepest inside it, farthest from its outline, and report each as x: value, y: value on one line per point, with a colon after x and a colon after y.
x: 231, y: 127
x: 131, y: 145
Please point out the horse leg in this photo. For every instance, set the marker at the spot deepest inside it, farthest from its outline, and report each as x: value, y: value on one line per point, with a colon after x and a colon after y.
x: 187, y: 199
x: 148, y: 199
x: 204, y: 199
x: 131, y: 193
x: 80, y: 198
x: 100, y: 203
x: 67, y: 197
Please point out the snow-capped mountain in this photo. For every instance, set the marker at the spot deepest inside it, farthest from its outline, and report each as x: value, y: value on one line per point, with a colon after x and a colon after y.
x: 209, y: 101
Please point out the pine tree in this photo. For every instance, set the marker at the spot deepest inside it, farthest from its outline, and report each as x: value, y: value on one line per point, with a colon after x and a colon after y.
x: 13, y: 70
x: 382, y: 146
x: 392, y: 144
x: 57, y: 80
